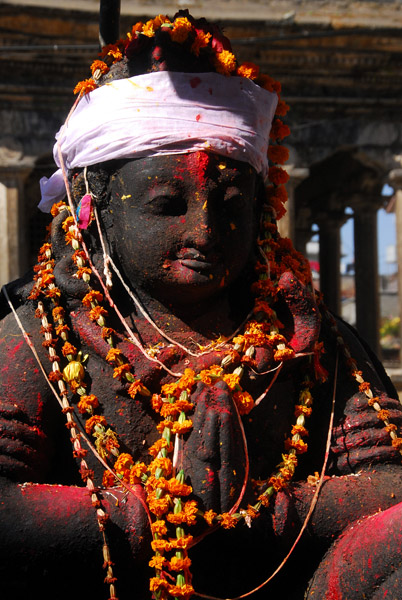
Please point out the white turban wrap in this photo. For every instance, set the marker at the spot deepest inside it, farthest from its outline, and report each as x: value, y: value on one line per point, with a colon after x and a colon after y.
x: 164, y: 113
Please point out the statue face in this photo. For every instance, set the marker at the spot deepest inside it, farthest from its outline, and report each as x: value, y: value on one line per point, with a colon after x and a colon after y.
x: 184, y: 226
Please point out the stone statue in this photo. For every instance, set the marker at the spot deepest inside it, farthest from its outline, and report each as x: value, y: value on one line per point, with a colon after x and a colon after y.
x: 180, y: 415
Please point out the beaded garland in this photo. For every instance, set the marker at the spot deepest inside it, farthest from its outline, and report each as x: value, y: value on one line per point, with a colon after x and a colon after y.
x: 168, y: 496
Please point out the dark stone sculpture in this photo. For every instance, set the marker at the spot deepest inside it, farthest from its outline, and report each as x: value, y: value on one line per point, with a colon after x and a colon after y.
x: 183, y: 230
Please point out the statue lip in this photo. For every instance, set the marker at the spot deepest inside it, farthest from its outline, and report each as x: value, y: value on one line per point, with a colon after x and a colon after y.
x: 196, y: 260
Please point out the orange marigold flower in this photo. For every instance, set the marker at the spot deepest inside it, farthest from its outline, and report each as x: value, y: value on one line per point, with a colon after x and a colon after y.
x: 277, y: 175
x: 56, y: 208
x: 53, y: 293
x: 300, y: 409
x: 138, y: 388
x: 282, y: 108
x: 157, y: 562
x: 179, y: 489
x: 160, y: 546
x: 107, y: 332
x: 185, y: 591
x: 169, y: 409
x: 181, y: 28
x: 158, y: 506
x: 124, y: 462
x: 165, y: 423
x: 278, y: 154
x: 148, y: 28
x: 261, y: 306
x: 78, y: 254
x: 138, y: 469
x: 184, y: 405
x: 364, y: 387
x: 201, y: 41
x: 68, y: 349
x: 244, y: 402
x: 279, y: 130
x: 111, y: 50
x: 284, y: 354
x: 225, y: 62
x: 264, y: 499
x: 391, y: 427
x: 169, y: 389
x: 397, y: 443
x: 67, y: 223
x: 99, y: 65
x: 249, y: 70
x: 121, y: 370
x: 153, y: 483
x: 159, y: 527
x: 299, y: 430
x: 298, y: 445
x: 96, y: 312
x: 158, y: 445
x: 113, y: 355
x: 277, y: 483
x: 87, y: 403
x: 269, y: 84
x: 231, y: 380
x: 186, y: 381
x: 165, y: 464
x: 182, y: 543
x: 83, y: 271
x: 85, y: 86
x: 383, y: 414
x: 92, y: 296
x: 157, y: 583
x: 228, y: 521
x: 108, y: 479
x: 93, y: 422
x: 179, y: 564
x: 182, y: 428
x: 209, y: 516
x: 62, y: 329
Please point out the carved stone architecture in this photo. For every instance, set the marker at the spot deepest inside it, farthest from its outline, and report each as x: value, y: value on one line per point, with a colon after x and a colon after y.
x: 340, y: 64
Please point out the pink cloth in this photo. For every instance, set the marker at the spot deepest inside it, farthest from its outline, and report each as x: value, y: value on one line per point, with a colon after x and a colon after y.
x: 165, y: 113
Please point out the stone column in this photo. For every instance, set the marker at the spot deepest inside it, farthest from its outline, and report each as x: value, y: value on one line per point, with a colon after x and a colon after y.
x: 330, y: 260
x: 395, y: 179
x: 286, y: 226
x: 366, y: 270
x: 12, y: 225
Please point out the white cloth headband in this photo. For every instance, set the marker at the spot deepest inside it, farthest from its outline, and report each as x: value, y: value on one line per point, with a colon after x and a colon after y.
x: 164, y: 113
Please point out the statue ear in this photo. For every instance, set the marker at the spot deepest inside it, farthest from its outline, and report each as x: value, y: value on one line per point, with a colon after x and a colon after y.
x: 65, y: 269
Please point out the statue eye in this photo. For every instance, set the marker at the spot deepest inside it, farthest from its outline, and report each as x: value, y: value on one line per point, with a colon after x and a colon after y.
x: 167, y: 205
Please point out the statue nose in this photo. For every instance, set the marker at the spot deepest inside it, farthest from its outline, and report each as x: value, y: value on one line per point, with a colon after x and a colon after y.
x: 203, y: 233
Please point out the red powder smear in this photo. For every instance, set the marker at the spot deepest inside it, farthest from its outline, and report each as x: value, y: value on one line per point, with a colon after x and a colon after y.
x: 198, y: 117
x: 157, y: 53
x: 195, y: 82
x: 210, y: 91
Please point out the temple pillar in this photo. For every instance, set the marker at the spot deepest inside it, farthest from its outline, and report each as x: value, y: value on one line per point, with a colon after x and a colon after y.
x: 395, y: 179
x: 366, y: 270
x: 13, y: 259
x: 286, y: 226
x: 330, y: 258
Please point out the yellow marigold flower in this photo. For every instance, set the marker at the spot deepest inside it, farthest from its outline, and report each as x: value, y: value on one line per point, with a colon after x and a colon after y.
x: 99, y: 65
x: 249, y: 70
x: 201, y: 41
x: 228, y: 521
x: 87, y: 403
x: 74, y: 371
x: 179, y: 564
x: 182, y: 428
x: 225, y: 62
x: 181, y: 28
x: 85, y: 86
x: 157, y: 562
x: 209, y: 516
x: 93, y: 422
x: 92, y: 296
x: 121, y: 370
x: 159, y: 527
